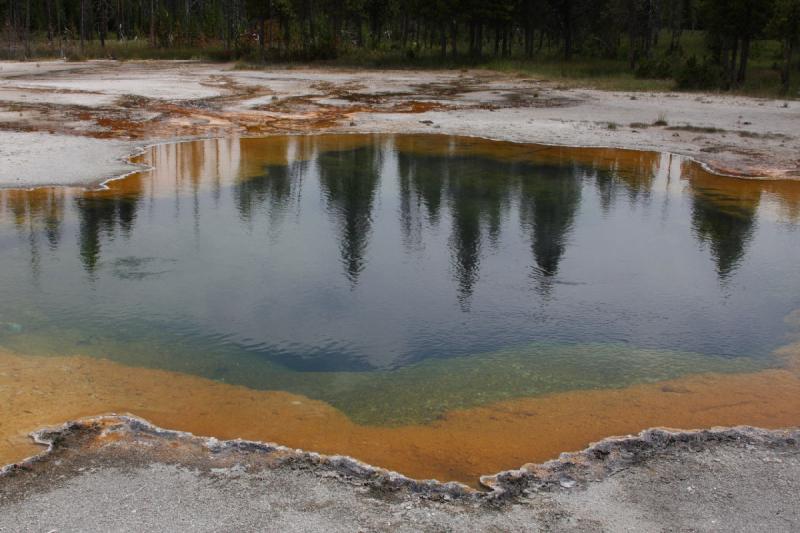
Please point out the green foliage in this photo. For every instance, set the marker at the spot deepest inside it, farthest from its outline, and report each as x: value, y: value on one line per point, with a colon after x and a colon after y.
x: 785, y: 26
x: 697, y: 75
x: 661, y: 68
x: 615, y: 43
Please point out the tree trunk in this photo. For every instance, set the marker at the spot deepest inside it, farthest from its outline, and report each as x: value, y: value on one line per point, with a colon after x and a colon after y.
x: 311, y: 30
x: 743, y: 59
x: 786, y: 72
x: 528, y: 40
x: 566, y: 23
x: 58, y: 29
x: 732, y: 63
x: 287, y: 33
x: 568, y: 36
x: 262, y: 36
x: 359, y: 33
x: 187, y: 17
x: 49, y: 8
x: 152, y: 23
x: 83, y: 24
x: 454, y: 38
x: 376, y: 29
x: 120, y: 22
x: 103, y: 23
x: 268, y: 36
x: 28, y: 28
x: 472, y: 38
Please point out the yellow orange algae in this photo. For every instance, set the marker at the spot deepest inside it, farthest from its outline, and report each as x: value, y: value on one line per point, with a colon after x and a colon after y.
x: 463, y: 444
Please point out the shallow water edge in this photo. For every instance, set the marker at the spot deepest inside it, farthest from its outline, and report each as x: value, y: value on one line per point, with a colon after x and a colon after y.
x: 462, y: 445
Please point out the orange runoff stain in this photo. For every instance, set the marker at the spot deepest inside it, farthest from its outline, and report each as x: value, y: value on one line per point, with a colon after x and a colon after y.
x: 461, y: 446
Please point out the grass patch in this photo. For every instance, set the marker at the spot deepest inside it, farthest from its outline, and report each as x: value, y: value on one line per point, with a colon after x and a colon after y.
x: 697, y: 129
x: 119, y: 50
x: 742, y: 133
x: 602, y: 74
x: 756, y: 135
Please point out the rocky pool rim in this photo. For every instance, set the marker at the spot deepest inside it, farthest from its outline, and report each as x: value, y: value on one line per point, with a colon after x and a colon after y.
x: 570, y: 470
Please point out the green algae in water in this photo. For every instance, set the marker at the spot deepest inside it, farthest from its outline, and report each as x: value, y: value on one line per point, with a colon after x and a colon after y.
x: 400, y: 277
x: 420, y: 392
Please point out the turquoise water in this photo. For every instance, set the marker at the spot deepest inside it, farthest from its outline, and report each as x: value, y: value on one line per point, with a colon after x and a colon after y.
x: 397, y: 277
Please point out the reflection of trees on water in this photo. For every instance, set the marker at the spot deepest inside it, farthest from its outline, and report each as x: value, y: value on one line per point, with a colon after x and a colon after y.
x: 276, y: 190
x: 37, y: 216
x: 477, y: 192
x: 424, y: 176
x: 632, y: 179
x: 420, y: 180
x: 277, y: 187
x: 723, y: 210
x: 474, y: 194
x: 725, y: 223
x: 349, y: 180
x: 105, y: 214
x: 37, y: 213
x: 549, y: 200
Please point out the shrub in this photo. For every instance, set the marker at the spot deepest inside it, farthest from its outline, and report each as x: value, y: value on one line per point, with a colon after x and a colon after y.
x: 655, y: 68
x: 696, y: 75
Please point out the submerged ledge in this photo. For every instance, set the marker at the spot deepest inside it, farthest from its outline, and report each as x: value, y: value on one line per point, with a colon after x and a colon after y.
x: 601, y: 460
x: 462, y: 446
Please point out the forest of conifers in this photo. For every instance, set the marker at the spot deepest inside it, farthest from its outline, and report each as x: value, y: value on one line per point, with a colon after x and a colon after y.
x: 646, y: 34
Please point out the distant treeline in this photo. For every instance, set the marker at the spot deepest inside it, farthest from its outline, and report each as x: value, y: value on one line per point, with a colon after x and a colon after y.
x: 460, y: 30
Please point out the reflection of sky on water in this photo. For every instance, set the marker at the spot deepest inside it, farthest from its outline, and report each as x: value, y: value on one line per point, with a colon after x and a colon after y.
x: 361, y: 252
